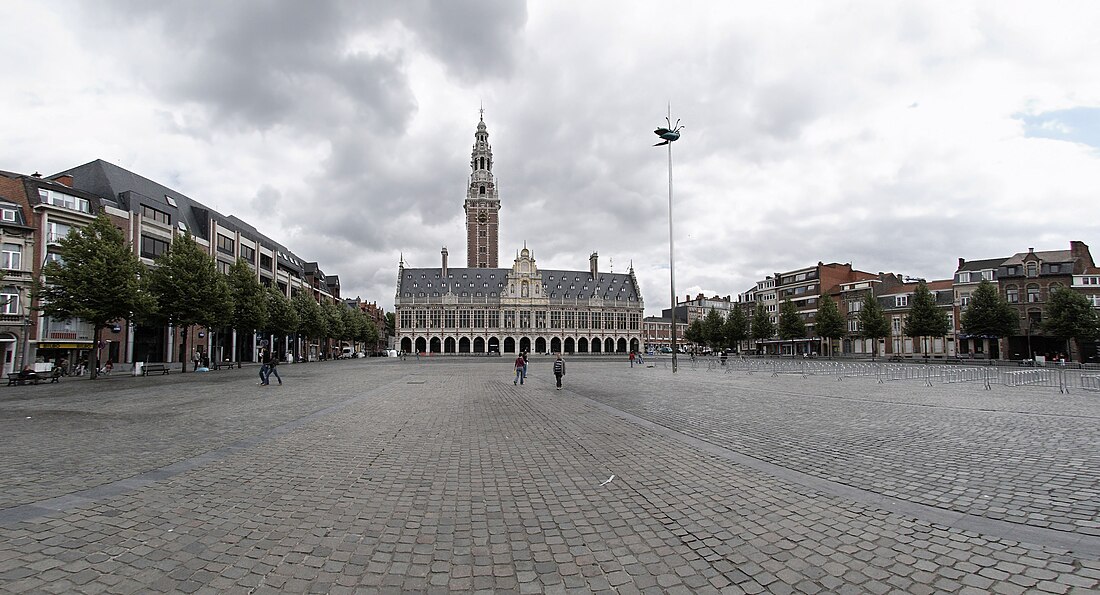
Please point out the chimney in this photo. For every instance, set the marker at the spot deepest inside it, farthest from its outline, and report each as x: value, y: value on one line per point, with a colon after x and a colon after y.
x: 1078, y: 249
x: 64, y: 180
x: 962, y: 261
x: 444, y: 252
x: 592, y: 264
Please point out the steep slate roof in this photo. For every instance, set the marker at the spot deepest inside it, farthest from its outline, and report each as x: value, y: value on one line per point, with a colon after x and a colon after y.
x: 129, y: 191
x: 607, y: 286
x: 20, y: 217
x: 981, y: 265
x: 1048, y: 256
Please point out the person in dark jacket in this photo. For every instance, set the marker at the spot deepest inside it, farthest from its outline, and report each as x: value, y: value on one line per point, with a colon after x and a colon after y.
x: 265, y: 365
x: 559, y: 369
x: 273, y: 368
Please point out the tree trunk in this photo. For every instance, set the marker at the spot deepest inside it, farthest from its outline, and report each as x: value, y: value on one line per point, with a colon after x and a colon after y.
x: 183, y: 352
x: 93, y: 357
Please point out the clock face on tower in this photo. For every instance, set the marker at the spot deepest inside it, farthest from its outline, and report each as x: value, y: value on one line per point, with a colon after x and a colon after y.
x: 482, y: 218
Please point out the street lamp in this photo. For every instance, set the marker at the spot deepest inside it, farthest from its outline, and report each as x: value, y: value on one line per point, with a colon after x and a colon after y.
x: 668, y: 136
x: 918, y: 280
x: 25, y: 321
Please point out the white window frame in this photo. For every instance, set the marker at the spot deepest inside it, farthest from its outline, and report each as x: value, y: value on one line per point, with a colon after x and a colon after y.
x: 12, y: 260
x: 9, y: 302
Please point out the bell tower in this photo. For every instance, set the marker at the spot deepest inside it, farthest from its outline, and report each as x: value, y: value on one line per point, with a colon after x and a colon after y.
x: 482, y: 204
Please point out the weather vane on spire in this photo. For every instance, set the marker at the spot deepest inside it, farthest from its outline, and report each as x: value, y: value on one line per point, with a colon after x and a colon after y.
x: 481, y: 111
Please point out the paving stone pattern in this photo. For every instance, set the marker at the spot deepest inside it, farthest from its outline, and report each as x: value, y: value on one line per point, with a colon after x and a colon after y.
x: 441, y: 476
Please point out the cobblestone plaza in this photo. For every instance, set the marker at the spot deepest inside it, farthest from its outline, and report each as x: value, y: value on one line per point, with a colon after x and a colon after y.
x: 383, y: 475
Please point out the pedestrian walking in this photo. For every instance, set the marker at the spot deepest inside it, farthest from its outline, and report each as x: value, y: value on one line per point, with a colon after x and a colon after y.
x: 265, y: 365
x: 524, y: 365
x: 559, y: 369
x: 520, y: 366
x: 631, y: 359
x: 273, y: 368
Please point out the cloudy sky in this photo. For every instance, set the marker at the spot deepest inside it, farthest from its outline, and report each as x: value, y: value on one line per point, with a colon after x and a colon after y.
x: 897, y: 136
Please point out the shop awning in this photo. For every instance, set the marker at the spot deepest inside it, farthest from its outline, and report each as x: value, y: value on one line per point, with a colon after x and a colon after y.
x: 49, y: 345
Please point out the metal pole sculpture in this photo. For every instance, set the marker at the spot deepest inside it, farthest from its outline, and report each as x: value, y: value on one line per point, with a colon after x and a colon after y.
x: 668, y: 136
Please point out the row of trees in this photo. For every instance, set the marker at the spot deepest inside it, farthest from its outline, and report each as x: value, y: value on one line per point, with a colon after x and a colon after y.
x: 1070, y: 316
x: 100, y: 280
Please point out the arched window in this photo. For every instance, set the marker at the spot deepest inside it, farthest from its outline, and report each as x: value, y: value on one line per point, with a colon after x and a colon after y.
x: 1012, y: 294
x: 1032, y: 293
x: 1032, y: 269
x: 481, y: 190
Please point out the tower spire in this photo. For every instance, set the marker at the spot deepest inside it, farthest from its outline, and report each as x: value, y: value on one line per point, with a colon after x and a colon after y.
x: 482, y: 202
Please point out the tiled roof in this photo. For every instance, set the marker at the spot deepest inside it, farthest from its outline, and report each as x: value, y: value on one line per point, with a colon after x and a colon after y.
x: 1048, y: 256
x: 574, y: 284
x: 981, y: 265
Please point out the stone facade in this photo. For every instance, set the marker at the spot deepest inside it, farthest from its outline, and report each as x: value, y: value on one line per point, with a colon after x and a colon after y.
x: 482, y: 309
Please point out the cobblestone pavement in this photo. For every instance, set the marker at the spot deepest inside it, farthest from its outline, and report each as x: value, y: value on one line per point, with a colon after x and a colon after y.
x: 440, y: 475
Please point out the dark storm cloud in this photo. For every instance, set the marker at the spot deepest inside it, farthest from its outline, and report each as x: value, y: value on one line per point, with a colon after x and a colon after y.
x: 261, y: 63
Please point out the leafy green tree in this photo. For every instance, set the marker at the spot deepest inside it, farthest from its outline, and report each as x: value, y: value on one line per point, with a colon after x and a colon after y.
x: 989, y: 315
x: 712, y: 329
x: 791, y: 326
x: 762, y: 326
x: 353, y: 321
x: 334, y: 321
x: 282, y: 319
x: 1071, y: 317
x: 872, y: 322
x: 391, y: 324
x: 189, y: 289
x: 249, y: 300
x: 925, y: 319
x: 368, y: 332
x: 828, y: 322
x: 695, y: 332
x: 99, y: 280
x: 311, y: 320
x: 736, y: 328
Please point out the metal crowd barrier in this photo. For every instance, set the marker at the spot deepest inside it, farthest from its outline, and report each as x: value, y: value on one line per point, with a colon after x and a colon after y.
x: 1052, y: 377
x: 1047, y: 377
x: 956, y: 375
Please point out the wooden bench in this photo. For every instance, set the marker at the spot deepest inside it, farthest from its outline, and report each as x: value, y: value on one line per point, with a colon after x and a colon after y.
x: 15, y: 380
x: 149, y: 368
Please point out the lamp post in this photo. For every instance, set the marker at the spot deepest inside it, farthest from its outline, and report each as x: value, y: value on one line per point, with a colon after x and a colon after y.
x: 918, y: 280
x: 668, y: 136
x: 25, y: 322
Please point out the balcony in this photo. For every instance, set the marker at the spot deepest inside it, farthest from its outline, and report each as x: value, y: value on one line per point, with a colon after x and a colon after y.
x: 72, y: 329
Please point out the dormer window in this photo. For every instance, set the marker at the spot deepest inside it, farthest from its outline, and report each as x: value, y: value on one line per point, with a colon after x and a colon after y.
x: 1032, y: 269
x: 7, y: 214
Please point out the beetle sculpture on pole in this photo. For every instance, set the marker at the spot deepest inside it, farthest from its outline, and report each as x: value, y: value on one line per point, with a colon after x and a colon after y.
x: 668, y: 136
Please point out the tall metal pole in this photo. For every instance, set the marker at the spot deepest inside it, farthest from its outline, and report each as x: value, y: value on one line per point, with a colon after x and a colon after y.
x: 668, y: 135
x: 671, y: 259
